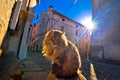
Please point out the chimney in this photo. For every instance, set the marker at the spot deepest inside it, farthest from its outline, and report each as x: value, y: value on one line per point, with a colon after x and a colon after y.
x: 51, y: 8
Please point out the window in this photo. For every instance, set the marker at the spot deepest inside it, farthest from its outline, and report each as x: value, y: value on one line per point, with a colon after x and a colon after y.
x: 77, y: 26
x: 76, y: 33
x: 15, y: 15
x: 43, y: 19
x: 63, y: 19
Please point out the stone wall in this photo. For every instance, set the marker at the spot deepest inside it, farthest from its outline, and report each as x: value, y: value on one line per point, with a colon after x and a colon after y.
x: 107, y: 33
x: 6, y: 7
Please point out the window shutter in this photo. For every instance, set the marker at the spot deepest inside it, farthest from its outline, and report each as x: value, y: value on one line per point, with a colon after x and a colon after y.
x: 15, y: 15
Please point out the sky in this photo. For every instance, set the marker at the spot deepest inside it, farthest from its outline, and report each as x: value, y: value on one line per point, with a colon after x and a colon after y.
x: 73, y: 9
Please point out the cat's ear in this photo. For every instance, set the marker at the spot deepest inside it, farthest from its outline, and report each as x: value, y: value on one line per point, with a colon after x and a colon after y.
x: 50, y: 32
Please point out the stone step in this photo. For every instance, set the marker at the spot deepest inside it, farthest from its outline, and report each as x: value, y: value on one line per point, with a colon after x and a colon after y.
x: 29, y: 69
x: 34, y: 75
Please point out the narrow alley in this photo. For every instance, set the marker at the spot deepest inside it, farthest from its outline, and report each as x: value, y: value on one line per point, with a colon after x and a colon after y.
x: 37, y: 67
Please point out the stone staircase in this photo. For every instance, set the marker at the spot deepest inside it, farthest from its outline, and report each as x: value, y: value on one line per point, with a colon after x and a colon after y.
x: 34, y: 67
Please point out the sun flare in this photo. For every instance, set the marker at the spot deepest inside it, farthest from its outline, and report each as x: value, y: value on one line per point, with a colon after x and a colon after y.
x: 87, y: 22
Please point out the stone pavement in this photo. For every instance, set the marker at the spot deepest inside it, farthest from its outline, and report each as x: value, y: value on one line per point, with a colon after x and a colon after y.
x: 95, y: 70
x: 105, y: 71
x: 37, y: 67
x: 34, y: 67
x: 9, y: 67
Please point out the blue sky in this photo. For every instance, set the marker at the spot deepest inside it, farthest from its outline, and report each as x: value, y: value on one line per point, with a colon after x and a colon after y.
x: 74, y: 9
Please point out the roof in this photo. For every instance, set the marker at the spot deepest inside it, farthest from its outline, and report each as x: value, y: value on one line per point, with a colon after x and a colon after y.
x: 55, y: 12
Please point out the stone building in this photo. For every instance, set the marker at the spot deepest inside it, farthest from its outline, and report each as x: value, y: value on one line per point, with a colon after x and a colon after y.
x: 34, y: 38
x: 74, y: 31
x: 15, y: 25
x: 5, y: 13
x: 106, y: 37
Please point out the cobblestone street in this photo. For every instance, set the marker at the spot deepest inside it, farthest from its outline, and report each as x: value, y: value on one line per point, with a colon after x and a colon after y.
x: 103, y: 71
x: 37, y: 67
